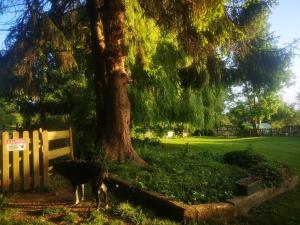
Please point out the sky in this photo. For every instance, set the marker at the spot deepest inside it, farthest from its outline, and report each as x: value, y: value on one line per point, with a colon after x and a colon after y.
x: 284, y: 22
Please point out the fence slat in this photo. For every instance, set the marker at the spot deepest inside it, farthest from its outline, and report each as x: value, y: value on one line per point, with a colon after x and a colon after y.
x: 71, y: 143
x: 36, y: 165
x: 16, y: 165
x: 26, y: 162
x: 5, y: 163
x: 59, y: 152
x: 54, y: 135
x: 45, y: 158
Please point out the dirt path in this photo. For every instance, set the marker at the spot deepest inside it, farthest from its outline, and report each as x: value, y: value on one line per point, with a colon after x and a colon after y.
x: 39, y: 200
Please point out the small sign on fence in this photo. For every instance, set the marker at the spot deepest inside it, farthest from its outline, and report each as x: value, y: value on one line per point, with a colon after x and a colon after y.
x: 16, y: 144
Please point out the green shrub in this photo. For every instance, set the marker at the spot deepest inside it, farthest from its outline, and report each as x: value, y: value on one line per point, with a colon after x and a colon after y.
x: 271, y: 173
x: 243, y: 159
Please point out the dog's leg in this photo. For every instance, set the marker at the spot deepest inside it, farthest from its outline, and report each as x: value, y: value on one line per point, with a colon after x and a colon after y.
x: 75, y: 187
x: 82, y: 192
x: 95, y: 188
x: 103, y: 189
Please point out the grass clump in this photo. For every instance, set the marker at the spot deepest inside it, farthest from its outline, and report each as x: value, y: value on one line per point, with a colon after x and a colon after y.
x: 136, y: 216
x: 2, y: 201
x: 70, y: 217
x: 53, y: 211
x: 132, y: 214
x: 98, y: 218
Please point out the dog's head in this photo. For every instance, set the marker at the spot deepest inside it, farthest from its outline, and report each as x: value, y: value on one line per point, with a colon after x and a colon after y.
x: 59, y: 167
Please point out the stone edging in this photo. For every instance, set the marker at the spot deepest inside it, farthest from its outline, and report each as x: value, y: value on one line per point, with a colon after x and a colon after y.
x: 180, y: 211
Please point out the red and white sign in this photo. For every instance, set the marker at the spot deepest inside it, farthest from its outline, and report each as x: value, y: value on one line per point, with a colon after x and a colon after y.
x: 16, y: 144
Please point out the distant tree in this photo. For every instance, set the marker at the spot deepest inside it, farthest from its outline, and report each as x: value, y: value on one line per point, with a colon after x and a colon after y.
x: 286, y: 115
x: 254, y: 109
x: 264, y: 70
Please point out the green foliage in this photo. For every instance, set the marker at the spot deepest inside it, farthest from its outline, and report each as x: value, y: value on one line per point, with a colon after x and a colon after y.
x: 244, y: 159
x: 286, y: 115
x: 158, y: 93
x: 8, y: 114
x: 183, y: 175
x: 271, y: 173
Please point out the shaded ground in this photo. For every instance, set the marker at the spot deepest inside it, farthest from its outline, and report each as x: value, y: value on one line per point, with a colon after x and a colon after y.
x: 52, y: 205
x: 38, y: 200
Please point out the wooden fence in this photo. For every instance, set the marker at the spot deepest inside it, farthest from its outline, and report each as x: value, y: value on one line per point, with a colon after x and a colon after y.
x: 24, y: 157
x: 292, y: 131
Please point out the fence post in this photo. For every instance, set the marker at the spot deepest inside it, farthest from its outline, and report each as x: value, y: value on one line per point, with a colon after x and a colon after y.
x: 26, y: 162
x: 36, y: 166
x: 16, y: 165
x: 45, y: 158
x: 5, y: 163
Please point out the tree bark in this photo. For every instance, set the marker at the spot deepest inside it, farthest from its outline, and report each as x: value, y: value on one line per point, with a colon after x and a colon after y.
x: 98, y: 47
x: 113, y: 106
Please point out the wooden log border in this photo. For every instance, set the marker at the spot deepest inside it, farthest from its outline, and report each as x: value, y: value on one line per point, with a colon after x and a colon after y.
x: 180, y: 211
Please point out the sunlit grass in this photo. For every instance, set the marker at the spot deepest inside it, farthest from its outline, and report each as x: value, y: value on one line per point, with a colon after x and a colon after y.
x: 283, y: 149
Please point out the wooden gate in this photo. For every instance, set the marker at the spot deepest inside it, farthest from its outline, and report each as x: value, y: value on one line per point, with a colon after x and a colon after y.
x: 24, y: 157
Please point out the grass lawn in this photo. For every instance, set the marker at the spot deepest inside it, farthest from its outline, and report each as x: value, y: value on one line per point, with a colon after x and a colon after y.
x: 283, y: 149
x: 284, y: 210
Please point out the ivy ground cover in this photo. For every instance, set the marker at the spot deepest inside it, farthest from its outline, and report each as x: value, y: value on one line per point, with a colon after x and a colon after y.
x: 195, y: 170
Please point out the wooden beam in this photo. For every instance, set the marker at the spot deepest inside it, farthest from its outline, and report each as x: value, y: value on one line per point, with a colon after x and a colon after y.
x: 59, y: 152
x: 54, y: 135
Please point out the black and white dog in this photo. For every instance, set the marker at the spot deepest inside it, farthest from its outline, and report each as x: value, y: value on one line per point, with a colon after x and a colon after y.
x: 79, y: 172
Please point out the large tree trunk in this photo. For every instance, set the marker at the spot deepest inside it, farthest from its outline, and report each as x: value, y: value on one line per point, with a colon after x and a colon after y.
x: 98, y: 47
x: 113, y: 107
